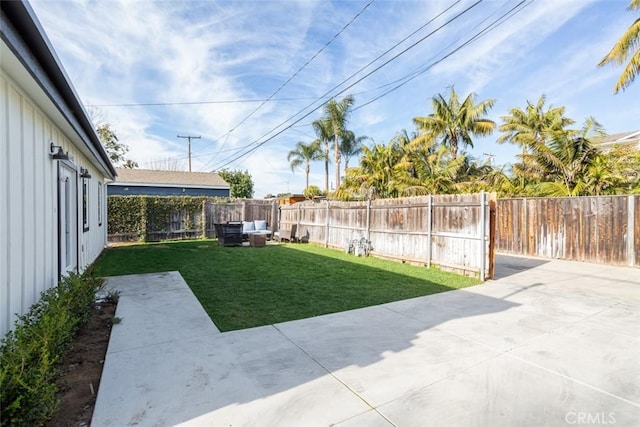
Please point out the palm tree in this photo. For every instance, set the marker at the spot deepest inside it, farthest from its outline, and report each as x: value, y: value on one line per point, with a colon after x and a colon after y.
x: 626, y: 48
x: 453, y: 122
x: 323, y: 131
x: 377, y: 169
x: 350, y: 146
x: 564, y: 161
x: 337, y: 114
x: 615, y: 171
x: 304, y: 154
x: 603, y: 177
x: 431, y: 170
x: 533, y: 125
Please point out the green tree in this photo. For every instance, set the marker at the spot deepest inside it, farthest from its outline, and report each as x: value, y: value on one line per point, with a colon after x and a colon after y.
x: 376, y: 175
x: 533, y: 125
x: 427, y: 169
x: 626, y: 48
x: 322, y: 128
x: 616, y: 171
x: 311, y: 191
x: 563, y: 162
x: 305, y: 154
x: 240, y: 182
x: 350, y: 146
x: 337, y: 114
x: 114, y: 148
x: 453, y: 123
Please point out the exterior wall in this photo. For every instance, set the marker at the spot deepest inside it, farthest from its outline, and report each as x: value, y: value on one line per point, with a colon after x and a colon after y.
x: 29, y: 245
x: 143, y: 190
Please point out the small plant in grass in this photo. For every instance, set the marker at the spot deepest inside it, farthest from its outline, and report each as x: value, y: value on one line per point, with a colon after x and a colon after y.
x: 116, y: 320
x: 29, y: 355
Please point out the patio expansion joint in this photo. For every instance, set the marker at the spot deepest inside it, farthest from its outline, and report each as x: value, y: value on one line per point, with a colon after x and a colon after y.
x: 439, y: 380
x: 508, y: 353
x: 161, y: 343
x: 567, y: 377
x: 328, y: 371
x: 568, y: 325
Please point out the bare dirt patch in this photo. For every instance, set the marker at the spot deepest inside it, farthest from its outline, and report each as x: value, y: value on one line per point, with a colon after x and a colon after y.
x: 81, y: 369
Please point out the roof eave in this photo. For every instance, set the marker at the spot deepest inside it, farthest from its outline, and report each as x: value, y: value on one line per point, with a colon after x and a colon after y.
x: 42, y: 61
x: 171, y: 185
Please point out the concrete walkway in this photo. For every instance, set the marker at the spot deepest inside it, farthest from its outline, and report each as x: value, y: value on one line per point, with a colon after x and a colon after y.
x: 549, y: 343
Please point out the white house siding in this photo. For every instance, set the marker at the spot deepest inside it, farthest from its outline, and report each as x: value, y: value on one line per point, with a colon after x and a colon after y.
x: 29, y: 204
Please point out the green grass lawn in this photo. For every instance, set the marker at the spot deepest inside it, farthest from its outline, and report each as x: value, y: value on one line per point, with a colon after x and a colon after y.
x: 242, y: 287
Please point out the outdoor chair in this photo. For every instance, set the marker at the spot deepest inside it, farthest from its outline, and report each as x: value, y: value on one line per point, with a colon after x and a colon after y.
x: 229, y: 234
x: 288, y: 234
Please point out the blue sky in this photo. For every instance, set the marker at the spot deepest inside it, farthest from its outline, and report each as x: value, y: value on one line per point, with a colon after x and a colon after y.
x: 196, y: 56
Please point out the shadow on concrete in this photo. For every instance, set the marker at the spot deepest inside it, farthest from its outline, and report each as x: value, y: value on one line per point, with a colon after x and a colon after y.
x: 508, y: 265
x: 283, y: 369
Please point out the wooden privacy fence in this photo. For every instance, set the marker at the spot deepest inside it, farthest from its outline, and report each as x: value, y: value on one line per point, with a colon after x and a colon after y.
x: 246, y: 210
x: 450, y: 231
x: 193, y: 224
x: 604, y: 229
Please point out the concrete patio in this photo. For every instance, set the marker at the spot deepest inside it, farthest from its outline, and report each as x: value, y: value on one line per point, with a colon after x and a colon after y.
x: 547, y: 343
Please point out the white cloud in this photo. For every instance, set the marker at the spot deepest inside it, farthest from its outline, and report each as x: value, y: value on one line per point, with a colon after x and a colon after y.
x: 155, y: 51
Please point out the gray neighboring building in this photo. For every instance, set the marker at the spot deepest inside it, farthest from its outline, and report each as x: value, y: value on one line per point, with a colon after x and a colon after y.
x: 136, y: 182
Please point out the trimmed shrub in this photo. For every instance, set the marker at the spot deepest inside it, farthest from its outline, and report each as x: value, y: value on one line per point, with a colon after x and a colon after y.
x: 29, y: 355
x: 143, y: 217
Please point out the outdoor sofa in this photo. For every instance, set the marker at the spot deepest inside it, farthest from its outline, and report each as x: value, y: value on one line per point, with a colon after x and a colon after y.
x: 255, y: 227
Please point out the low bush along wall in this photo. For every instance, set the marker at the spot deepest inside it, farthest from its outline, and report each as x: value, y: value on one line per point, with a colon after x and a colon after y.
x: 29, y: 355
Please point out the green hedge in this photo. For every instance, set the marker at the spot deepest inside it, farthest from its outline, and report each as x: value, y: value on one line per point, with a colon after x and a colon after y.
x: 126, y: 214
x: 29, y: 354
x: 143, y: 215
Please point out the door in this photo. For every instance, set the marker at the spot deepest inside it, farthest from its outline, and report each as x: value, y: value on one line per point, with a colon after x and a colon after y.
x: 67, y: 220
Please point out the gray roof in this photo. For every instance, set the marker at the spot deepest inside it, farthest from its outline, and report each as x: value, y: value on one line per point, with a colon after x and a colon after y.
x: 169, y: 178
x: 24, y: 35
x: 622, y: 138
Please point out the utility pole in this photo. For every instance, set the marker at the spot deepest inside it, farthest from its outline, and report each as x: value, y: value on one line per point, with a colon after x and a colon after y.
x: 189, y: 138
x: 490, y: 157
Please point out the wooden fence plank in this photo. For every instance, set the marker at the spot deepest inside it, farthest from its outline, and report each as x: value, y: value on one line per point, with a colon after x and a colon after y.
x: 445, y: 230
x: 634, y: 240
x: 593, y: 229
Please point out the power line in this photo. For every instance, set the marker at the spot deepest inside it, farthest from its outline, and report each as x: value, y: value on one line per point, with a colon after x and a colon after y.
x: 304, y: 65
x: 403, y: 80
x: 351, y: 21
x: 407, y: 78
x: 226, y: 101
x: 257, y: 144
x: 262, y: 101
